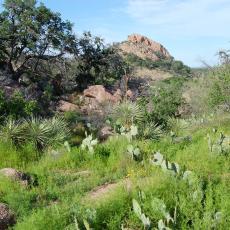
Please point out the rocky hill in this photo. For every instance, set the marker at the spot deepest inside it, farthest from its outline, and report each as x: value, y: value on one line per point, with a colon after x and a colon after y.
x: 150, y: 60
x: 145, y: 48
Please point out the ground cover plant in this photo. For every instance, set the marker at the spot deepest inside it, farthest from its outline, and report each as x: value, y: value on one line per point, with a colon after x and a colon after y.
x: 107, y: 188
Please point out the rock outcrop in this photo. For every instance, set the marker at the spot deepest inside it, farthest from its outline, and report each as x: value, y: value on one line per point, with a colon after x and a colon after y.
x: 7, y: 217
x: 99, y: 93
x: 16, y: 175
x: 144, y: 47
x: 65, y: 106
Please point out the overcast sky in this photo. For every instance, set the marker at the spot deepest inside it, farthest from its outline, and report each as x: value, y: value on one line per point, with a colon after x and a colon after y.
x: 192, y: 30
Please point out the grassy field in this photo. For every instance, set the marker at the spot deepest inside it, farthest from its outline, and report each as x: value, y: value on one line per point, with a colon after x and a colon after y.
x: 76, y: 189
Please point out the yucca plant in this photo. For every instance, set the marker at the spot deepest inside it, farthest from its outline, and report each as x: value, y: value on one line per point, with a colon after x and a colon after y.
x: 12, y: 132
x: 59, y: 129
x: 151, y: 130
x: 37, y: 131
x: 40, y: 132
x: 45, y: 132
x: 126, y: 113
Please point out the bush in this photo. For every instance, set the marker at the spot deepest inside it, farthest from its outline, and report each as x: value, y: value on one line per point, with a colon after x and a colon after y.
x: 171, y: 65
x: 219, y: 95
x: 196, y: 94
x: 16, y: 106
x: 166, y: 97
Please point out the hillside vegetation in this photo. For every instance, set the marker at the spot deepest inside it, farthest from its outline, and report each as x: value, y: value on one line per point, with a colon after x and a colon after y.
x: 76, y: 186
x: 95, y: 137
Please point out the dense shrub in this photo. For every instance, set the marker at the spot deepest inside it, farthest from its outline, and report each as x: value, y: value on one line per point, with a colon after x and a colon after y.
x: 28, y: 34
x: 166, y: 98
x: 171, y: 65
x: 16, y: 106
x: 209, y: 92
x: 97, y: 63
x: 196, y: 94
x: 219, y: 95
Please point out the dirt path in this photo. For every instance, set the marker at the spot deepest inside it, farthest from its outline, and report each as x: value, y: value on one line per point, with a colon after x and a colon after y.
x: 103, y: 190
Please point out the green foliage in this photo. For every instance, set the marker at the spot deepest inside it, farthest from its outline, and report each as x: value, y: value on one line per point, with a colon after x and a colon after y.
x: 67, y: 186
x: 41, y: 133
x: 16, y: 106
x: 166, y: 99
x: 89, y: 143
x: 151, y: 130
x: 96, y: 63
x: 12, y: 132
x: 71, y: 117
x: 219, y: 97
x: 31, y: 33
x: 127, y: 113
x: 174, y: 66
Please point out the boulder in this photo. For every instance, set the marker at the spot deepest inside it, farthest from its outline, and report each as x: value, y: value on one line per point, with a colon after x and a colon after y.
x: 130, y: 94
x: 7, y: 217
x: 16, y: 175
x: 118, y: 95
x: 99, y: 93
x: 105, y: 133
x: 64, y: 106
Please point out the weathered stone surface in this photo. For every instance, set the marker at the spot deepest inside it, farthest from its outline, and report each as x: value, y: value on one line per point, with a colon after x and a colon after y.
x: 64, y: 106
x: 129, y: 94
x: 155, y: 46
x: 105, y: 133
x: 7, y: 217
x: 99, y: 93
x: 16, y: 175
x: 144, y: 47
x: 118, y: 95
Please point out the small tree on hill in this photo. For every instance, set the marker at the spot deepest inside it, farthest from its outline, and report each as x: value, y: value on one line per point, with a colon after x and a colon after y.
x: 97, y: 63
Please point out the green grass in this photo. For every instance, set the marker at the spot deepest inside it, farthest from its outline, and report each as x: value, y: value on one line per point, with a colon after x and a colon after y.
x: 63, y: 194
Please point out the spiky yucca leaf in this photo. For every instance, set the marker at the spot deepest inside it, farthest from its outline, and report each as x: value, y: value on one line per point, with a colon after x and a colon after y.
x: 40, y: 132
x: 45, y: 132
x: 12, y: 131
x: 127, y: 112
x: 151, y: 131
x: 59, y: 129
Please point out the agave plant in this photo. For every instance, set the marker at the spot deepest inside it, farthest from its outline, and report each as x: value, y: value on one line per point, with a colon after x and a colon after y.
x: 58, y: 129
x: 126, y: 113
